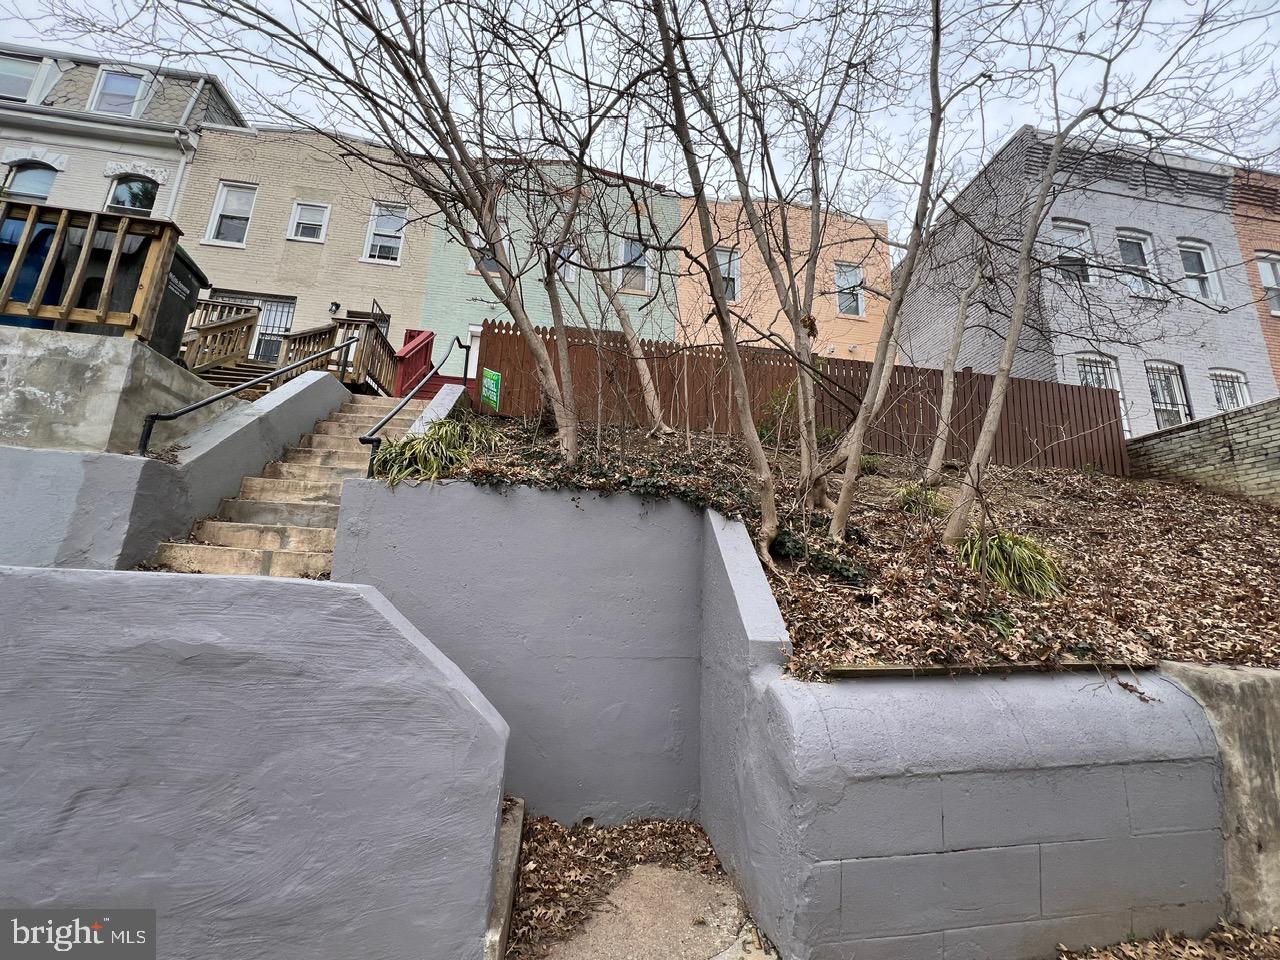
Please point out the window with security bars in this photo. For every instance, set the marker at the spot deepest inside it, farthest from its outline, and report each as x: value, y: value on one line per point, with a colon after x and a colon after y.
x: 275, y: 318
x: 1230, y: 389
x: 1168, y: 393
x: 1101, y: 372
x: 1269, y: 268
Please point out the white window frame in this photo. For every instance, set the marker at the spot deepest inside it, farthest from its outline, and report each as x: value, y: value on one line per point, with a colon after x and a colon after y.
x: 1139, y: 284
x: 34, y: 85
x: 1237, y: 377
x: 858, y: 290
x: 1181, y: 399
x: 1112, y: 378
x: 374, y: 212
x: 140, y: 102
x: 1269, y: 264
x: 1084, y: 250
x: 476, y: 244
x: 17, y: 167
x: 1210, y: 262
x: 627, y: 264
x: 219, y: 202
x: 293, y: 222
x: 566, y: 266
x: 729, y: 263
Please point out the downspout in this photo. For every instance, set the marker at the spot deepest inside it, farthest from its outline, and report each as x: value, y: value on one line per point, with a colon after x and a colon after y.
x: 183, y: 137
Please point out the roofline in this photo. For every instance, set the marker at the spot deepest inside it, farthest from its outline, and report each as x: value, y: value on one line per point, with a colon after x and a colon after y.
x: 218, y: 85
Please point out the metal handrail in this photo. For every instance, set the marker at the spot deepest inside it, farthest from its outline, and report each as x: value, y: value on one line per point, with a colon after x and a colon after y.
x: 373, y: 440
x: 149, y: 423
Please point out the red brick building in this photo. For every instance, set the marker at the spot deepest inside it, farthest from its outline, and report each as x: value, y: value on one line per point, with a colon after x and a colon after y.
x: 1256, y: 209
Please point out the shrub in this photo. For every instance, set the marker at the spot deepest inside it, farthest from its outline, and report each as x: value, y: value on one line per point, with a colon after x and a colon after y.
x: 869, y: 465
x: 443, y: 448
x: 1012, y: 561
x: 917, y: 499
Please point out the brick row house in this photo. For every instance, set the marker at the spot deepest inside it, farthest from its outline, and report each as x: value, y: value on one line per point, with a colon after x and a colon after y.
x: 1153, y: 279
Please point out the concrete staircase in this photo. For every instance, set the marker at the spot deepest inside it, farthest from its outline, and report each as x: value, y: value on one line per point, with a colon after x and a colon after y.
x: 284, y: 521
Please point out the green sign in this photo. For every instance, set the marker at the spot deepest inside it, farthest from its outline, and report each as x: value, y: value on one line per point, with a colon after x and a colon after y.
x: 490, y: 387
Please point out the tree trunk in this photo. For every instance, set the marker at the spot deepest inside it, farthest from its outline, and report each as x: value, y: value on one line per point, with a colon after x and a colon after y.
x: 569, y: 444
x: 652, y: 403
x: 933, y: 470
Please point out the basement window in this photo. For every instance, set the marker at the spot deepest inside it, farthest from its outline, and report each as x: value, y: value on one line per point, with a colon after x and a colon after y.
x: 1168, y: 393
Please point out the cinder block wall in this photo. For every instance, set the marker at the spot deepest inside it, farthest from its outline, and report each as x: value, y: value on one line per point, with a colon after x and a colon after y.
x: 1236, y: 452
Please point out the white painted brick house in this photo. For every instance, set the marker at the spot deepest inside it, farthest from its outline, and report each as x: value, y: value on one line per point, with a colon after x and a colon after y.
x: 1143, y: 285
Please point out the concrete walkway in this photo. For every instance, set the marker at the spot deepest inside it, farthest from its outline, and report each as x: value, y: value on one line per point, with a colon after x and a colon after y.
x: 658, y: 913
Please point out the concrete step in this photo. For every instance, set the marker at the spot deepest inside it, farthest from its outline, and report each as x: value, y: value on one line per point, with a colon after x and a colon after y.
x: 325, y: 441
x: 313, y: 471
x: 338, y: 458
x: 275, y: 513
x: 261, y: 536
x: 203, y: 558
x: 347, y: 425
x: 371, y: 406
x: 290, y: 491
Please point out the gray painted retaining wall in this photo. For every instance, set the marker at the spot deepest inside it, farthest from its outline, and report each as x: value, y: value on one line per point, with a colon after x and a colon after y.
x: 576, y: 615
x: 321, y: 784
x: 64, y: 508
x: 934, y: 818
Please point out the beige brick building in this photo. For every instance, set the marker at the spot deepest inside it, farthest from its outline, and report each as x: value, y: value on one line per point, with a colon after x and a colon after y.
x: 279, y: 218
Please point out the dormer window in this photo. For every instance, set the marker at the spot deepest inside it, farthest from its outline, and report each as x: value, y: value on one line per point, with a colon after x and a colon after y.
x: 118, y: 92
x: 17, y: 77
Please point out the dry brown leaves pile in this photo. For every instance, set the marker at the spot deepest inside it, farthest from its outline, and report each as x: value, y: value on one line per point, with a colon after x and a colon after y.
x: 1225, y: 943
x: 1156, y: 571
x: 566, y: 872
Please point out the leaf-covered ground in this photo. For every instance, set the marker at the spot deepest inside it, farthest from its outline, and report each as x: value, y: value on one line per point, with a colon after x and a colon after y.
x: 1225, y: 943
x: 567, y: 872
x: 1155, y: 571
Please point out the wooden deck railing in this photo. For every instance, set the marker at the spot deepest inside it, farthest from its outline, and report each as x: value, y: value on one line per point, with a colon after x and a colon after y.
x: 220, y: 342
x: 413, y: 360
x: 371, y: 362
x: 84, y: 267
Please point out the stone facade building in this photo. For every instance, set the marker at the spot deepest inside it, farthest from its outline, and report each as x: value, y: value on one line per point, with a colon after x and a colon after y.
x: 93, y: 134
x: 1141, y: 284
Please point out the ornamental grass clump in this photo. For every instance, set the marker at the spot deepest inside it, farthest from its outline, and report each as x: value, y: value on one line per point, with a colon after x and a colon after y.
x: 918, y: 500
x: 441, y: 450
x: 1012, y: 561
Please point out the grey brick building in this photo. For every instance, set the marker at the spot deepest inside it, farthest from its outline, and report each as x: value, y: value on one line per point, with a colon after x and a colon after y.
x: 1140, y: 282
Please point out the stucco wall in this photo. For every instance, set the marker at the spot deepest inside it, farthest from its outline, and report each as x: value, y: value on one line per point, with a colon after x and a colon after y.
x: 109, y: 511
x: 271, y: 786
x: 76, y: 391
x: 576, y: 615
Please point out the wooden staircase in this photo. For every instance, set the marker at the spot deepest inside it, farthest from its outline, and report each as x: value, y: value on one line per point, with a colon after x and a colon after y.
x: 238, y: 373
x: 284, y: 521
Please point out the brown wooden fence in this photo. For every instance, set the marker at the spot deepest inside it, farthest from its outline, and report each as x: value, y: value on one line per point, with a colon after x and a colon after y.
x: 1044, y: 424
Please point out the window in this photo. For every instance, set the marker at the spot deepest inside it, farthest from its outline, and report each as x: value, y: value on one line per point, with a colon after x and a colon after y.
x: 567, y: 267
x: 309, y: 222
x: 1269, y: 270
x: 275, y: 318
x: 1135, y: 262
x: 730, y: 264
x: 231, y: 211
x: 30, y: 181
x: 848, y: 290
x: 1230, y: 389
x: 17, y: 77
x: 1099, y: 370
x: 483, y: 257
x: 133, y: 195
x: 1071, y: 240
x: 118, y: 92
x: 1198, y: 269
x: 635, y: 266
x: 1168, y: 393
x: 386, y: 233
